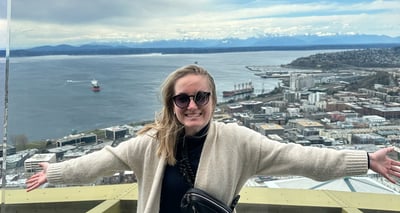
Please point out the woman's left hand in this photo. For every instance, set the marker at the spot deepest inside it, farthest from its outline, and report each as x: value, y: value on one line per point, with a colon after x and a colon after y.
x: 384, y: 165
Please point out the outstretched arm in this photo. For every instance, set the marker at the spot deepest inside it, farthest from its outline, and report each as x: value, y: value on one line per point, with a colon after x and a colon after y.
x: 382, y: 164
x: 37, y: 179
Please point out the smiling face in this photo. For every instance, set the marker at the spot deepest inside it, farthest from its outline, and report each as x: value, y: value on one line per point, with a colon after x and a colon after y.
x: 193, y: 117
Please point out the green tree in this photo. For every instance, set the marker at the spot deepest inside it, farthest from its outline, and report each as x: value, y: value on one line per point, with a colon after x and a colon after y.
x: 20, y: 141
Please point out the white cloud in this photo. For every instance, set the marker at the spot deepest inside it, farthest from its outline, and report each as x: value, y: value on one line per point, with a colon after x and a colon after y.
x: 167, y: 19
x: 3, y: 34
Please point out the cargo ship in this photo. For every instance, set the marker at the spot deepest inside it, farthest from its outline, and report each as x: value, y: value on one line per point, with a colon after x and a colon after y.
x: 95, y: 86
x: 239, y: 89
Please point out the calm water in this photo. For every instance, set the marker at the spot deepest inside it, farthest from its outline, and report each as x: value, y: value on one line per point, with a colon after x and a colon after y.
x: 50, y: 96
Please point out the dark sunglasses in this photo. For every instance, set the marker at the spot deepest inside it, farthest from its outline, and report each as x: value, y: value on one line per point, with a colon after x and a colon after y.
x: 183, y: 100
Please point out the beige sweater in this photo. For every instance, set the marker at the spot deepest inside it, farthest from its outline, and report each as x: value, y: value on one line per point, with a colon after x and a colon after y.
x: 231, y: 154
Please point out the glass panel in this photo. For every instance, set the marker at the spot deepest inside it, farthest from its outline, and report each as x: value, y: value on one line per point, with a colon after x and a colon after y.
x: 86, y: 74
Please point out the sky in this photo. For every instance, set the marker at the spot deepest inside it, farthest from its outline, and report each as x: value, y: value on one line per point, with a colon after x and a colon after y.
x: 51, y: 22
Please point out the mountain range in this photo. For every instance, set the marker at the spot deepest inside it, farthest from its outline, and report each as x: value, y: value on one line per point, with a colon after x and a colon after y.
x: 270, y: 42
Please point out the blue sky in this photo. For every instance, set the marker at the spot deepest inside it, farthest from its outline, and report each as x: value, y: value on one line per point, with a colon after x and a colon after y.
x: 42, y: 22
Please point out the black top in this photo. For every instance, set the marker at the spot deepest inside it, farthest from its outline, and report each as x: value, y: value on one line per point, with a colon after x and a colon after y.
x: 174, y: 184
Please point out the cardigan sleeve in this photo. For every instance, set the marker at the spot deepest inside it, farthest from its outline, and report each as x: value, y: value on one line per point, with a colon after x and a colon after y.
x: 320, y: 164
x: 271, y: 157
x: 107, y: 161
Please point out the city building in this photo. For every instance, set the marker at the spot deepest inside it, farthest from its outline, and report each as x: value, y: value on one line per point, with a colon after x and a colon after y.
x: 371, y: 138
x: 116, y: 132
x: 253, y: 106
x: 305, y: 125
x: 301, y: 81
x: 235, y: 108
x: 31, y: 164
x: 10, y: 150
x: 61, y: 150
x: 383, y: 111
x: 374, y: 120
x: 269, y: 129
x: 269, y: 110
x: 77, y: 139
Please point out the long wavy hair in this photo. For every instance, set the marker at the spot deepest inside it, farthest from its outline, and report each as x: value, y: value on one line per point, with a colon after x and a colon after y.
x: 166, y: 124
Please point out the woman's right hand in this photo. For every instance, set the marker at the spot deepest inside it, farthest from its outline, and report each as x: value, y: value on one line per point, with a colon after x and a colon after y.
x: 37, y: 179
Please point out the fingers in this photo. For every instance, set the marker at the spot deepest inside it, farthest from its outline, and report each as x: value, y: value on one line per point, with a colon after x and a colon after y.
x: 390, y: 179
x: 390, y: 149
x: 35, y: 181
x: 395, y: 171
x: 35, y: 176
x: 396, y: 163
x: 31, y: 180
x: 32, y: 186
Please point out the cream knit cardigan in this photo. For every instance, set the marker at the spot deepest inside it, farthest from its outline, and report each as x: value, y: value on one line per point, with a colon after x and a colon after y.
x: 231, y: 155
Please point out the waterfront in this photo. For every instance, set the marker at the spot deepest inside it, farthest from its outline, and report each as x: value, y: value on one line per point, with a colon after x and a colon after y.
x: 50, y: 96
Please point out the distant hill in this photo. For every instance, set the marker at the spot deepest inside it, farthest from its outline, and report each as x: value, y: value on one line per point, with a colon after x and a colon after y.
x: 370, y: 57
x: 262, y: 43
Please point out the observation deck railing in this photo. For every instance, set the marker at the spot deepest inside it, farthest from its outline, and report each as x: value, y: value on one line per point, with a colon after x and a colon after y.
x: 122, y: 198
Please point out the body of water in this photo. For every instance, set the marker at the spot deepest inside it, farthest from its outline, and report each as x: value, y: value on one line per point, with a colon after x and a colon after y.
x: 50, y: 96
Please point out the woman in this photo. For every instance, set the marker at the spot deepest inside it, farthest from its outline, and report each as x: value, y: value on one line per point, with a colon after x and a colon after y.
x: 185, y: 148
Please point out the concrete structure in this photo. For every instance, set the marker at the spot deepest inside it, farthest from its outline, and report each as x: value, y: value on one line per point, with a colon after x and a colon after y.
x: 314, y: 98
x: 301, y: 81
x: 291, y: 96
x: 269, y: 128
x: 122, y: 198
x: 78, y: 139
x: 270, y: 110
x: 374, y: 120
x: 31, y: 164
x: 10, y: 150
x: 235, y: 108
x: 61, y: 150
x: 383, y: 111
x: 305, y: 125
x: 367, y: 139
x: 253, y: 106
x: 116, y: 132
x: 363, y: 184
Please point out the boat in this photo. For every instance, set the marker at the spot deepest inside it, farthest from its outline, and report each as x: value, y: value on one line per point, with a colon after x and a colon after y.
x: 95, y: 86
x: 243, y: 88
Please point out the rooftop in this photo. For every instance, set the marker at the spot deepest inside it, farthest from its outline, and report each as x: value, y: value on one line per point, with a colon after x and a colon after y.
x: 269, y: 126
x: 348, y: 184
x: 40, y: 157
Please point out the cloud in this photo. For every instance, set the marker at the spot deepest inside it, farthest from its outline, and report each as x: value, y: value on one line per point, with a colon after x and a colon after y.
x: 71, y: 21
x: 3, y: 34
x: 3, y: 25
x: 104, y: 11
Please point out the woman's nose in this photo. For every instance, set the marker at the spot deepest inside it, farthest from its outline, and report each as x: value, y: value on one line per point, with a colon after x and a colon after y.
x: 192, y: 103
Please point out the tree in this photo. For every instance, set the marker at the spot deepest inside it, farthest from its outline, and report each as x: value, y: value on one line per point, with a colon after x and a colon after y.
x: 20, y: 141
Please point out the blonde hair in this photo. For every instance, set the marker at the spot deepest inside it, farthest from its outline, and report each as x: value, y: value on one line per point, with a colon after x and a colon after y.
x: 166, y: 124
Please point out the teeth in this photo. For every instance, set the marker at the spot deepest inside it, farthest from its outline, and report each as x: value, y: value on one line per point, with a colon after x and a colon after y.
x: 193, y: 115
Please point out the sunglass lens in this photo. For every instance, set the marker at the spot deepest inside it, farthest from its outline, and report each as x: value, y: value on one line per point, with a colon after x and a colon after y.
x: 201, y: 98
x: 182, y: 100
